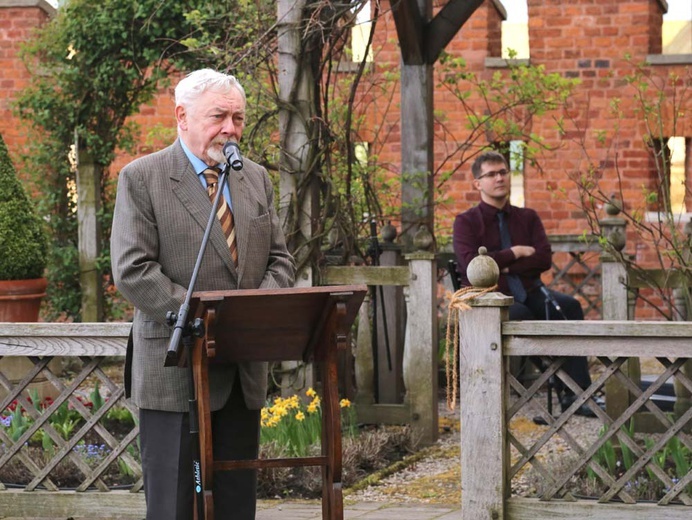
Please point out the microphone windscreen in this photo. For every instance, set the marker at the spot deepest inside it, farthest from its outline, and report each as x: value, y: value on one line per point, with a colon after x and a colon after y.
x: 231, y: 152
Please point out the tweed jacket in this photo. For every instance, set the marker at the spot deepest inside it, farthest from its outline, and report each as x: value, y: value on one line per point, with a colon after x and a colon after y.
x: 161, y: 212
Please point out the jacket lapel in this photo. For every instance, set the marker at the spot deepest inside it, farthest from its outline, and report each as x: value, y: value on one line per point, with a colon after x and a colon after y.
x: 194, y: 199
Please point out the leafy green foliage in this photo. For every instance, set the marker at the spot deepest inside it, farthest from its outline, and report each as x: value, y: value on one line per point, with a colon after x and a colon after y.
x: 64, y: 420
x: 501, y: 108
x: 17, y: 423
x: 95, y: 63
x: 22, y: 239
x: 96, y: 399
x: 63, y: 294
x: 99, y: 62
x: 295, y: 428
x: 674, y: 459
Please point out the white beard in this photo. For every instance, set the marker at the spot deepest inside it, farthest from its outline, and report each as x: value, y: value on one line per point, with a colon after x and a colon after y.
x: 215, y: 153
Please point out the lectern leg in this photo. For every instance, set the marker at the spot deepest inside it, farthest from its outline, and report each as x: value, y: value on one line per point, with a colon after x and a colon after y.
x: 332, y: 496
x: 204, y: 497
x: 331, y: 446
x: 188, y: 342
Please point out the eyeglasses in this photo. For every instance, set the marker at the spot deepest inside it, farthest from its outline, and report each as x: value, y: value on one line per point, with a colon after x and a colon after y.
x: 491, y: 175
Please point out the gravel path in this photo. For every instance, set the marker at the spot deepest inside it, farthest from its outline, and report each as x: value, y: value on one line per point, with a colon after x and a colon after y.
x: 435, y: 475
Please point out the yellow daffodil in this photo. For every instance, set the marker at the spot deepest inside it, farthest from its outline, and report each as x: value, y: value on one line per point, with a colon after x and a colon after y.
x: 345, y: 403
x: 300, y: 416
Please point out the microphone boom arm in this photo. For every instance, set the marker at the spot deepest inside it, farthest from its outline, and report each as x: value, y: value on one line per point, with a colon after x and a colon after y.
x: 184, y: 331
x: 173, y: 353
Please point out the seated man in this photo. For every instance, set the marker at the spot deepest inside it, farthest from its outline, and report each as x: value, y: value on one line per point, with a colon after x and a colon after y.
x: 516, y: 240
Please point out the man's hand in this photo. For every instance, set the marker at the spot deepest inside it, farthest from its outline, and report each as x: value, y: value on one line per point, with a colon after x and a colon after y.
x: 520, y: 251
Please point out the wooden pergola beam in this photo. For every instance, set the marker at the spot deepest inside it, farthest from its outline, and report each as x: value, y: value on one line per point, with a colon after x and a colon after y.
x: 445, y: 25
x: 422, y: 41
x: 410, y: 28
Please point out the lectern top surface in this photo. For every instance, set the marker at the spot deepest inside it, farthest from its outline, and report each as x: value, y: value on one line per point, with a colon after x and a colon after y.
x: 274, y: 324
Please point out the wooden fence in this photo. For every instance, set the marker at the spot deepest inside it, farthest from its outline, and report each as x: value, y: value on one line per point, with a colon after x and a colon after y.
x: 91, y: 456
x: 89, y: 348
x: 419, y: 357
x: 495, y: 455
x: 43, y: 447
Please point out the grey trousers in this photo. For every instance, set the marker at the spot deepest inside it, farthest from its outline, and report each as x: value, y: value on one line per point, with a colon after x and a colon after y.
x: 167, y: 461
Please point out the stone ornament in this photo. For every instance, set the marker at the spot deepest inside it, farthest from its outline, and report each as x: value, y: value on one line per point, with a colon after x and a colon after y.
x: 483, y: 271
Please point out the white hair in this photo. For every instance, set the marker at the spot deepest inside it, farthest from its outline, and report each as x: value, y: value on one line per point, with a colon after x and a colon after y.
x: 199, y: 81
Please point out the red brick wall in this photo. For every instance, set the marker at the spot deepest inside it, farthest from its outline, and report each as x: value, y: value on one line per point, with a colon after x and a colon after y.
x: 157, y: 123
x: 584, y: 39
x: 16, y: 26
x: 478, y: 39
x: 587, y: 40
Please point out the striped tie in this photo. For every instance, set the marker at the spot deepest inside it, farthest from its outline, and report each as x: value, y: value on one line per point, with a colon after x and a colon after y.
x: 223, y: 212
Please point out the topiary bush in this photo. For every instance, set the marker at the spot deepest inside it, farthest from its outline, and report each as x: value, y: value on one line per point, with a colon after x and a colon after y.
x: 23, y: 244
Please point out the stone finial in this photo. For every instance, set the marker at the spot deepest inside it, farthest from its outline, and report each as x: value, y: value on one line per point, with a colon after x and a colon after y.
x: 388, y: 232
x: 483, y: 271
x: 616, y: 238
x: 613, y: 206
x: 423, y: 239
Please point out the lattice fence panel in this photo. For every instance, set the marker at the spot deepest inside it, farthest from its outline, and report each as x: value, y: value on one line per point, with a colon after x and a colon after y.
x: 67, y: 429
x: 556, y: 454
x: 578, y: 273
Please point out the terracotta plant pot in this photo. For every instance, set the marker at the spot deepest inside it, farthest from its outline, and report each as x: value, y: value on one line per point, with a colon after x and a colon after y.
x: 20, y: 300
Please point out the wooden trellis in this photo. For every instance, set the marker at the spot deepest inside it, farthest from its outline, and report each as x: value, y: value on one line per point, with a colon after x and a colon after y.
x: 577, y: 270
x: 88, y: 347
x: 489, y: 341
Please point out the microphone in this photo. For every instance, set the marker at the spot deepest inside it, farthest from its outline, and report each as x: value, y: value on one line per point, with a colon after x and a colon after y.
x: 231, y: 152
x: 552, y: 300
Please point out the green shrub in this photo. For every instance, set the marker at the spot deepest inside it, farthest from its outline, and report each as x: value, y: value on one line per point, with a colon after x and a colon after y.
x: 22, y: 240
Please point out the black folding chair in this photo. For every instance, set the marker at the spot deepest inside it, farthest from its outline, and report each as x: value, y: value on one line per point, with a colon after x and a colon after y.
x: 454, y: 274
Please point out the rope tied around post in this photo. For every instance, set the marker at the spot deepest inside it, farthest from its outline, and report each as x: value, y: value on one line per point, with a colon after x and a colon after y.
x: 457, y: 304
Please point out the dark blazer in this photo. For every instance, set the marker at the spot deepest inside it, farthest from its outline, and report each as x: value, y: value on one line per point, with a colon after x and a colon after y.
x: 161, y: 212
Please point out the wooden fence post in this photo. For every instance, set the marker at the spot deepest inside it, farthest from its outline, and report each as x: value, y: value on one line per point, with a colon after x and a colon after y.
x: 420, y: 346
x: 615, y: 301
x: 391, y: 313
x: 683, y: 397
x: 364, y: 366
x: 88, y: 206
x: 484, y: 457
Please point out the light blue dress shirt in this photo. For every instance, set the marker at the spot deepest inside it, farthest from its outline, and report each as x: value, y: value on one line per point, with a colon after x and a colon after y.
x: 199, y: 166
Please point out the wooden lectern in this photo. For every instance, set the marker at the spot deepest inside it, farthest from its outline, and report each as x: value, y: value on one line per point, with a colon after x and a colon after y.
x: 301, y: 324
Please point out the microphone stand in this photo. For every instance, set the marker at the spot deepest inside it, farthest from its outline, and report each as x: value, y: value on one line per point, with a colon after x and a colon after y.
x: 549, y: 298
x: 186, y: 331
x: 180, y: 319
x: 549, y: 301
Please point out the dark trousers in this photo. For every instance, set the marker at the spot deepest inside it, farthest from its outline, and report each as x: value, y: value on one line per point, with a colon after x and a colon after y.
x: 167, y: 461
x: 534, y: 308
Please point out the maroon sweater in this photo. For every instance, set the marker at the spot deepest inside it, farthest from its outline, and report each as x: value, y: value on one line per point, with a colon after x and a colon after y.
x: 479, y: 227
